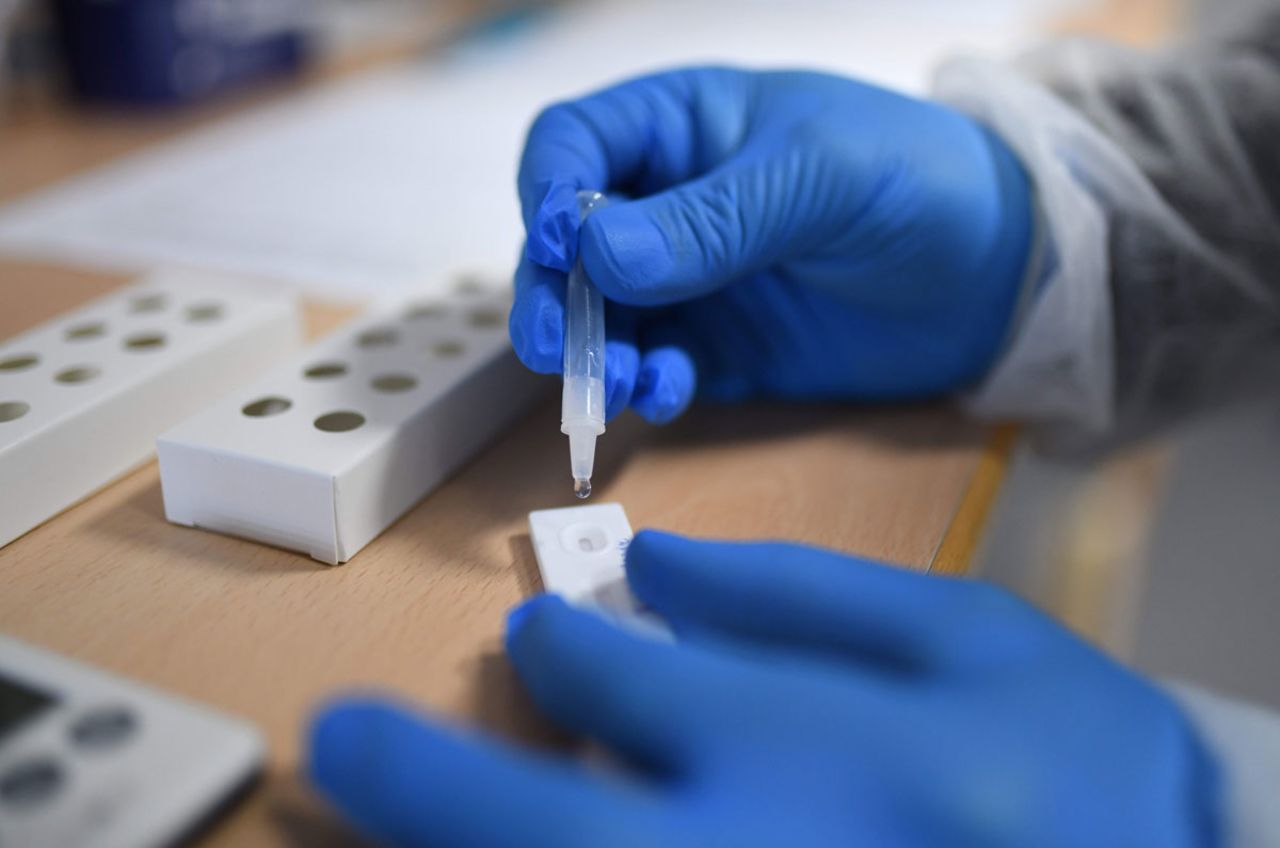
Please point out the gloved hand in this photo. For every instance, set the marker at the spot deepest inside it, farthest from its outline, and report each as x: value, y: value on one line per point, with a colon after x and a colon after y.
x: 813, y: 700
x: 794, y: 235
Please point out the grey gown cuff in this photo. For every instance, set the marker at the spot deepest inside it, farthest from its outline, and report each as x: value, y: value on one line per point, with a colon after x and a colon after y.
x: 1057, y: 366
x: 1246, y: 740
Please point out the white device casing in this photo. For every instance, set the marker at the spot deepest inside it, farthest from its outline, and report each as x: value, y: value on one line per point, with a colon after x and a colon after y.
x: 281, y: 480
x: 581, y: 551
x: 149, y: 787
x: 102, y: 381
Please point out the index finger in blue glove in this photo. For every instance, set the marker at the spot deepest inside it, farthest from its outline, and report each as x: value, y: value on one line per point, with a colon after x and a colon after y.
x: 405, y: 781
x: 792, y: 596
x: 645, y: 134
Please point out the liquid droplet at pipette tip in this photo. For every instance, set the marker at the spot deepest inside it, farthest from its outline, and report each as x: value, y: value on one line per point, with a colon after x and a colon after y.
x: 582, y: 488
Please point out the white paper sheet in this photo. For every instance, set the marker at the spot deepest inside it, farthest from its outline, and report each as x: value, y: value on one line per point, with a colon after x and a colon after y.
x: 400, y: 177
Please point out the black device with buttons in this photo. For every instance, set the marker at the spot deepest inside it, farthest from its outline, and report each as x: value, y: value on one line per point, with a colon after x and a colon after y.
x: 90, y: 760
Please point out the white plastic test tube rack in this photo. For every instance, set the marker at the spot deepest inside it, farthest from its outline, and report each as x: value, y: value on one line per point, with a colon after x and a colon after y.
x: 83, y: 397
x: 324, y: 453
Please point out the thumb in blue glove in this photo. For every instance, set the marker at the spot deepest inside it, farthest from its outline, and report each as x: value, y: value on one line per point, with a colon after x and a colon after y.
x: 813, y: 700
x: 793, y: 235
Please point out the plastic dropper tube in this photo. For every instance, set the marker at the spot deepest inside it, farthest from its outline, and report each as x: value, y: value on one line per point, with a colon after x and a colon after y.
x: 582, y: 401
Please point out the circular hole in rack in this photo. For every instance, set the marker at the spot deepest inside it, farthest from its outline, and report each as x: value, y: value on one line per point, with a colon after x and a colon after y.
x: 448, y: 349
x: 266, y: 406
x: 21, y: 362
x: 339, y: 422
x: 392, y: 383
x: 470, y: 284
x: 325, y: 370
x: 12, y: 410
x: 103, y: 728
x: 77, y: 374
x: 148, y: 303
x: 92, y: 330
x: 203, y: 313
x: 378, y: 337
x: 425, y: 311
x: 486, y: 318
x: 145, y: 341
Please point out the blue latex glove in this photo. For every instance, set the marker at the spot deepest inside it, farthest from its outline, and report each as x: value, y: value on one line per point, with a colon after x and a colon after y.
x: 814, y: 700
x: 796, y: 235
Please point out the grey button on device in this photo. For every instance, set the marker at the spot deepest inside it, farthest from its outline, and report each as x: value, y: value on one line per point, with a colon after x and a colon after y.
x: 104, y: 727
x: 30, y: 782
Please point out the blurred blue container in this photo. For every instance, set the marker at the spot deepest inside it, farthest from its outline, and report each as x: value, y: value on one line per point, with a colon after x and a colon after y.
x: 159, y: 52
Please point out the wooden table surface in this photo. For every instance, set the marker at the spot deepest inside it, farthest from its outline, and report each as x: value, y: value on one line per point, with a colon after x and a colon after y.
x: 266, y: 634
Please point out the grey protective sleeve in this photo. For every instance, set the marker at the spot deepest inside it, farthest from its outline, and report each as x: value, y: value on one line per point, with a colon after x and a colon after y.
x: 1246, y: 740
x: 1158, y: 181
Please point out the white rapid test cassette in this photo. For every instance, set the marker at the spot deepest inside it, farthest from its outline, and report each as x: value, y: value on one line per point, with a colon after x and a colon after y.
x: 581, y: 552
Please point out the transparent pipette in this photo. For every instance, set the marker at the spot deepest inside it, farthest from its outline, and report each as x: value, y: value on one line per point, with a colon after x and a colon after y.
x: 582, y: 402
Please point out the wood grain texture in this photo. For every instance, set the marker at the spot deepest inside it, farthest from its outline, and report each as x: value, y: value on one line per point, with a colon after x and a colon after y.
x: 267, y: 634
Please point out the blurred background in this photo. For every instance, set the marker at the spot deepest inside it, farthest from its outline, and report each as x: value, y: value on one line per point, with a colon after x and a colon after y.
x: 347, y: 147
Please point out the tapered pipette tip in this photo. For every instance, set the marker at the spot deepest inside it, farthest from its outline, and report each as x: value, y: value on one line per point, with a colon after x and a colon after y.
x: 588, y: 201
x: 582, y: 456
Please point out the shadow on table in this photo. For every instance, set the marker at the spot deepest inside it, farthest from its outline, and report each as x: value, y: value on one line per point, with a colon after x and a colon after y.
x: 299, y: 817
x: 138, y: 520
x: 527, y: 469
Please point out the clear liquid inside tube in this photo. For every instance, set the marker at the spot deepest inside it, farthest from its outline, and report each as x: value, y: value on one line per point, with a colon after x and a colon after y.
x: 582, y: 400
